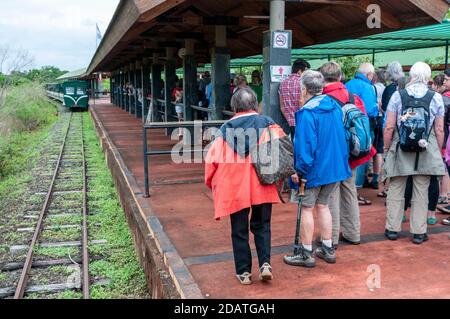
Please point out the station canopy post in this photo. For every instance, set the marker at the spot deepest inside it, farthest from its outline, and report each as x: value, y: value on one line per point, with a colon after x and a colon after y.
x: 127, y: 83
x: 121, y: 95
x: 446, y: 54
x: 138, y: 83
x: 220, y: 75
x: 170, y: 76
x: 145, y: 79
x: 133, y: 85
x: 276, y: 62
x: 190, y: 80
x: 156, y: 85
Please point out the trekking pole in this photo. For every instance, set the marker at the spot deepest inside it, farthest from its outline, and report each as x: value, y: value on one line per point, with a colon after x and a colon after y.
x: 301, y: 195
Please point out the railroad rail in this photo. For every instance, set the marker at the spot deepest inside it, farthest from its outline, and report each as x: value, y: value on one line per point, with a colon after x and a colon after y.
x: 50, y: 195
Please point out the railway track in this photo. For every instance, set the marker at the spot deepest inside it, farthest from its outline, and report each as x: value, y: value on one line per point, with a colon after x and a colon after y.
x: 65, y: 181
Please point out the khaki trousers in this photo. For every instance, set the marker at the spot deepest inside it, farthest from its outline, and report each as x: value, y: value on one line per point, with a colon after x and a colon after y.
x: 344, y: 210
x: 419, y: 204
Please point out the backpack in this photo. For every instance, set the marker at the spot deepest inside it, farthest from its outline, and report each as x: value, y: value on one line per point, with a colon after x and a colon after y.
x: 357, y: 129
x: 415, y: 125
x: 273, y: 160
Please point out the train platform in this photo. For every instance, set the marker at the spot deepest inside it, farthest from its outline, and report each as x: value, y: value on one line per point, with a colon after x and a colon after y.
x: 196, y: 252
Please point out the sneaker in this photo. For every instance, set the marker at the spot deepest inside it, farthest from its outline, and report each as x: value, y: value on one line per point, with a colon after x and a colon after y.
x: 318, y: 242
x: 432, y: 221
x: 391, y: 235
x: 245, y: 279
x: 326, y: 253
x: 303, y: 259
x: 446, y: 221
x: 266, y: 272
x: 419, y: 238
x: 445, y: 210
x: 443, y: 200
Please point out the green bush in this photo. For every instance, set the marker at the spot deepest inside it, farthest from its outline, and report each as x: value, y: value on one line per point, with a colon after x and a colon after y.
x: 25, y: 112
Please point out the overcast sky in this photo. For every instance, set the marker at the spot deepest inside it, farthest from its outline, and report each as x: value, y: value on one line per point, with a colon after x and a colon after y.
x: 55, y: 32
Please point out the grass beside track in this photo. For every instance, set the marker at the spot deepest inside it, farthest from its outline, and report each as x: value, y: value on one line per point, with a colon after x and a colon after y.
x: 120, y: 265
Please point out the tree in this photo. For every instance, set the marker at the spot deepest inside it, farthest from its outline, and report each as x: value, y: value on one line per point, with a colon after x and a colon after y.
x: 45, y: 74
x: 12, y: 64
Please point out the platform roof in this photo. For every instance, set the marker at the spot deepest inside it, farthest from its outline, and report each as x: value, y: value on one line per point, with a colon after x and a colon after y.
x: 140, y: 28
x: 436, y: 35
x: 77, y: 74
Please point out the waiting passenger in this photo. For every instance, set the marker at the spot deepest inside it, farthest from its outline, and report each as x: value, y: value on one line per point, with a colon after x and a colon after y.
x: 411, y: 153
x: 344, y: 202
x: 321, y: 157
x: 230, y: 174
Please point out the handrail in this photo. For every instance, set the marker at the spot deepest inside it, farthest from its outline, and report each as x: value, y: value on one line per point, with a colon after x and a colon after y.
x: 168, y: 125
x: 229, y: 113
x: 203, y: 109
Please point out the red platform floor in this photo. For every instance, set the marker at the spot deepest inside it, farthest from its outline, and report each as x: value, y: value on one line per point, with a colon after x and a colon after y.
x: 186, y: 212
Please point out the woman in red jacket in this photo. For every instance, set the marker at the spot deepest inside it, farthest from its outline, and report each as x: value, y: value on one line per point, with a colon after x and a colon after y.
x: 230, y: 174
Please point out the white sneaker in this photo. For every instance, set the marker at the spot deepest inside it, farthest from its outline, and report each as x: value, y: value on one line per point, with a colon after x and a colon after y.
x: 266, y: 272
x: 245, y: 278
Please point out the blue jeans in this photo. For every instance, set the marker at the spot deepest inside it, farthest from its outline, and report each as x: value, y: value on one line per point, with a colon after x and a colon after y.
x: 361, y: 175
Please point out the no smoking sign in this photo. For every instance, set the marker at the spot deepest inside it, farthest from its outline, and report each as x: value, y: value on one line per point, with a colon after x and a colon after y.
x: 281, y: 40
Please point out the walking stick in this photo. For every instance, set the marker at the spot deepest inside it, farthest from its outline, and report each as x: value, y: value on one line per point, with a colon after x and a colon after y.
x: 301, y: 195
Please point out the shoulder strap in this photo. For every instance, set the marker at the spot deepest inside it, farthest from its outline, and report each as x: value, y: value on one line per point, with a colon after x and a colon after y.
x: 351, y: 99
x: 428, y: 98
x: 405, y: 97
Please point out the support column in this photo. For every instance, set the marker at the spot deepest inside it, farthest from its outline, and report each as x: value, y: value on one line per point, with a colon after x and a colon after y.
x: 277, y: 56
x: 220, y: 75
x: 133, y: 84
x: 145, y: 78
x: 137, y: 85
x: 169, y: 85
x: 121, y: 89
x: 446, y: 54
x: 190, y: 80
x: 156, y: 86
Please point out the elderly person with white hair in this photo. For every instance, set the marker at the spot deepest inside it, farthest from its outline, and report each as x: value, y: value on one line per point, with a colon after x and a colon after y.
x: 413, y: 136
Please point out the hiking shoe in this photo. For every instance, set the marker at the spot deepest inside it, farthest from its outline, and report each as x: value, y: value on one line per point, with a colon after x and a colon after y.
x: 245, y: 279
x: 326, y: 253
x: 432, y: 221
x: 419, y: 238
x: 446, y: 221
x: 318, y: 242
x: 445, y: 210
x: 391, y: 235
x: 345, y: 240
x: 265, y: 272
x: 303, y: 259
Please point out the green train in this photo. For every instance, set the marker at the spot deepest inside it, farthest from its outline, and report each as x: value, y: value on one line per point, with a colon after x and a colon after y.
x: 72, y: 94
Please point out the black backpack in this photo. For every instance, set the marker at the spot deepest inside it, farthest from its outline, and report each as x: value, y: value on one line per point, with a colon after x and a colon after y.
x: 415, y: 124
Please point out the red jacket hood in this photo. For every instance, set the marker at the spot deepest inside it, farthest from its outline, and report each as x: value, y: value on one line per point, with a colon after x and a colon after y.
x: 339, y: 91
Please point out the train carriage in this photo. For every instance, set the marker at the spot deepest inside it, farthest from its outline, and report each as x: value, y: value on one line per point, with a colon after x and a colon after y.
x: 75, y: 94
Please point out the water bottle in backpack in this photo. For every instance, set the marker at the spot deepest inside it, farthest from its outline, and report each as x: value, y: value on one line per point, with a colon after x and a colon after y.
x: 357, y: 129
x: 414, y: 130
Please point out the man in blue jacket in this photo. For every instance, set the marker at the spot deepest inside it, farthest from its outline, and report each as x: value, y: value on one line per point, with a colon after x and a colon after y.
x: 362, y: 86
x: 321, y: 157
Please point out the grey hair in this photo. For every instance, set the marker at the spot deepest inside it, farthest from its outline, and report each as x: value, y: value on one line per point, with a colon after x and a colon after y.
x: 366, y: 68
x: 395, y: 71
x: 313, y: 82
x: 244, y: 100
